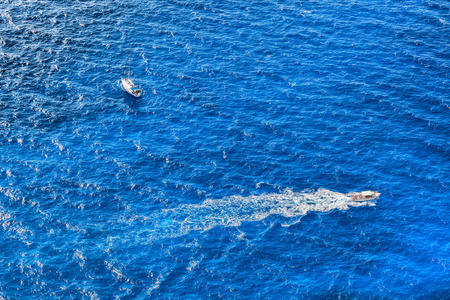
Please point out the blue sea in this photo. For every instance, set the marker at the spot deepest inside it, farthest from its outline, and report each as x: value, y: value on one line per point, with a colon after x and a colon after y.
x: 230, y: 176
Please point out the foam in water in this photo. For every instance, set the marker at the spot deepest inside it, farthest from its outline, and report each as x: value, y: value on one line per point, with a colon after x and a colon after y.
x: 233, y: 210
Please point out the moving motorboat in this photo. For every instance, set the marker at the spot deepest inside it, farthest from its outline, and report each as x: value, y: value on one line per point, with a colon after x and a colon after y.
x: 365, y: 196
x: 127, y: 83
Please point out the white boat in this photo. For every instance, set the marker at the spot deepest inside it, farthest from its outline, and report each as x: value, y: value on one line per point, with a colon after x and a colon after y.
x: 365, y: 196
x: 129, y: 86
x: 127, y: 83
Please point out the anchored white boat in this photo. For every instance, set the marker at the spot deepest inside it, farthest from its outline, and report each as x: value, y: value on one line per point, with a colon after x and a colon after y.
x: 127, y: 83
x: 129, y: 86
x: 365, y: 196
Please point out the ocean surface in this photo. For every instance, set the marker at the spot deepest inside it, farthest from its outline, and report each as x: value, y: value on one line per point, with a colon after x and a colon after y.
x: 229, y: 177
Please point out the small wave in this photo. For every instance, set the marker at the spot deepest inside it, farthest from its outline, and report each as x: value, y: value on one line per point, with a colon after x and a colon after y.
x: 234, y: 210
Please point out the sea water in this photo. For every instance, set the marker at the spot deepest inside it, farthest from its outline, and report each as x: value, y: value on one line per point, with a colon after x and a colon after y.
x: 229, y: 177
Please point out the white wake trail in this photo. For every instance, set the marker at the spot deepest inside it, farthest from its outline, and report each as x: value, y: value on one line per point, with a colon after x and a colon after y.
x: 233, y: 210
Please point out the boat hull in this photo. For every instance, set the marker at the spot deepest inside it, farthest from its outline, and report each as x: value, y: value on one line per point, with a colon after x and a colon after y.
x: 130, y: 88
x: 365, y: 196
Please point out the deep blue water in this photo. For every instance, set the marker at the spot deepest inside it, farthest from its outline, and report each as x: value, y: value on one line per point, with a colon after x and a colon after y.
x: 228, y: 177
